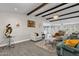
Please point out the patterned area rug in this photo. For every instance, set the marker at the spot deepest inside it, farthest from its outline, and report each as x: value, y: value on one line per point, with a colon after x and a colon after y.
x: 47, y: 47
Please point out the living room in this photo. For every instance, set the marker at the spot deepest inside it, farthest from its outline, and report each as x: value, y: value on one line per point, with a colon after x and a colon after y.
x: 26, y: 28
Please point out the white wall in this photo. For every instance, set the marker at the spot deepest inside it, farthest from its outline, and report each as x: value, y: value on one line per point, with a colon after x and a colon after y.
x: 19, y: 33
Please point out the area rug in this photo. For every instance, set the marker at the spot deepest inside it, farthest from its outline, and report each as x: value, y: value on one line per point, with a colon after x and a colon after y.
x: 47, y: 47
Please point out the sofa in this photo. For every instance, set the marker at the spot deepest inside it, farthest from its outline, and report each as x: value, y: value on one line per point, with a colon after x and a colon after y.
x: 64, y: 50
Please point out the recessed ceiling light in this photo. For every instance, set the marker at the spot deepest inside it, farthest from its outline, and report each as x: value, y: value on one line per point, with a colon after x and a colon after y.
x: 15, y: 9
x: 55, y: 17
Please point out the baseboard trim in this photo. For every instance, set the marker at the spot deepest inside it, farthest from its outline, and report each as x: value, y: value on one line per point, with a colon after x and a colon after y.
x: 2, y: 45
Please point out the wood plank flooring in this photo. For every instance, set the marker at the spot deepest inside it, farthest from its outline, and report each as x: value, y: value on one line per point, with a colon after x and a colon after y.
x: 25, y: 49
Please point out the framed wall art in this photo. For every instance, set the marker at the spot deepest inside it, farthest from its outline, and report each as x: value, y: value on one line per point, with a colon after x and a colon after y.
x: 30, y: 23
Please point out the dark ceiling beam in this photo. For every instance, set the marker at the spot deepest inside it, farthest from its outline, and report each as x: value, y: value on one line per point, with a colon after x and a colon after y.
x: 64, y: 18
x: 51, y: 9
x: 64, y: 14
x: 42, y: 5
x: 61, y: 9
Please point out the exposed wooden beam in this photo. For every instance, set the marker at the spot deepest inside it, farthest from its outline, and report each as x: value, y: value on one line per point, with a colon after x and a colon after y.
x: 42, y: 5
x: 61, y: 9
x: 64, y: 18
x: 64, y: 14
x: 51, y: 9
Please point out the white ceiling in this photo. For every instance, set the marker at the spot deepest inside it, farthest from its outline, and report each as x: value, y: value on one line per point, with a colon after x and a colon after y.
x: 24, y: 8
x: 48, y: 6
x: 61, y: 12
x: 21, y: 7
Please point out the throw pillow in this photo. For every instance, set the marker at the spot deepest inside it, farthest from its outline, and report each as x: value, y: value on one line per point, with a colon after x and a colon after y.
x: 71, y: 42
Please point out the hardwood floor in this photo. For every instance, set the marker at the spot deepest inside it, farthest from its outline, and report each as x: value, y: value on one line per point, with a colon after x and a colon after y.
x: 25, y: 49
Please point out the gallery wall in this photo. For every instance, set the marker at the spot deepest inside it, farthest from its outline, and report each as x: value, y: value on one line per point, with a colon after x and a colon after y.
x: 22, y: 32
